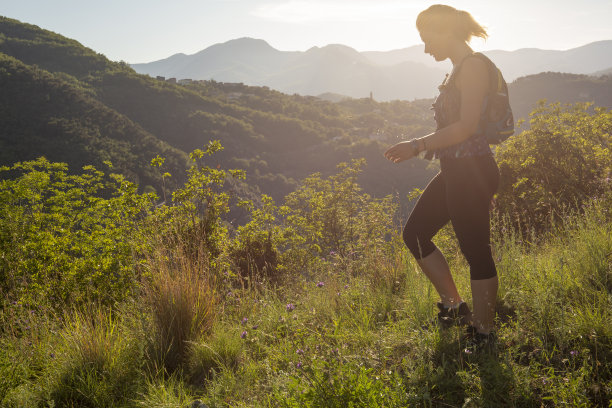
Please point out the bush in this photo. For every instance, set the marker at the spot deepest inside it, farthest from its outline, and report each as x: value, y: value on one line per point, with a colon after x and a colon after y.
x: 558, y: 164
x: 67, y: 238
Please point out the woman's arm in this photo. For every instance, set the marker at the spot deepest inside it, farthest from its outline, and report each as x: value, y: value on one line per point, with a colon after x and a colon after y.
x: 473, y: 82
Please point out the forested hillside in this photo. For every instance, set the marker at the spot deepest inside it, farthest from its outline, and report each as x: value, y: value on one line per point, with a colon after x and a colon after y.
x: 129, y: 118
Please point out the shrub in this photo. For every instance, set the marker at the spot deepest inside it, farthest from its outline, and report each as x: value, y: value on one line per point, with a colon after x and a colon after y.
x: 67, y: 238
x: 565, y: 158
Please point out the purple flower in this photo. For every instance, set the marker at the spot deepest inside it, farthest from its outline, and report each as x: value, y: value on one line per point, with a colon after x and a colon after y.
x: 299, y: 351
x: 52, y: 355
x: 320, y: 284
x: 345, y: 286
x: 299, y: 365
x: 332, y: 253
x: 243, y: 335
x: 255, y: 327
x: 245, y: 320
x: 573, y: 353
x: 467, y: 351
x: 290, y: 307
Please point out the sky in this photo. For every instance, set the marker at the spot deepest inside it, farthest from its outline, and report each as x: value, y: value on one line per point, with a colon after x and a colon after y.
x: 147, y: 30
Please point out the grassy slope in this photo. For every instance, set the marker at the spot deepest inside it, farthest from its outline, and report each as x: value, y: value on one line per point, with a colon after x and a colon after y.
x: 354, y: 339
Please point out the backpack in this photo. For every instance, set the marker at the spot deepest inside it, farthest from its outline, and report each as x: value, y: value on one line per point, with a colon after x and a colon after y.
x: 496, y: 119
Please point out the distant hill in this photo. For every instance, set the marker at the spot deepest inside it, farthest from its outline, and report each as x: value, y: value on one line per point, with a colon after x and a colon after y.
x: 603, y: 72
x: 558, y: 87
x: 398, y: 74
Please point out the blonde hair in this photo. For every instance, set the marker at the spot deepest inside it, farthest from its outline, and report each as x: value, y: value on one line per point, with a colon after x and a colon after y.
x: 442, y: 18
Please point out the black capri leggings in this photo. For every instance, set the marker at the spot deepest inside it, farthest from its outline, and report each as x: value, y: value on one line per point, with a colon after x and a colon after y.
x: 461, y: 192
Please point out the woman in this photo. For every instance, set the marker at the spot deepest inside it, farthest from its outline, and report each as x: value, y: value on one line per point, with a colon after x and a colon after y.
x: 462, y: 191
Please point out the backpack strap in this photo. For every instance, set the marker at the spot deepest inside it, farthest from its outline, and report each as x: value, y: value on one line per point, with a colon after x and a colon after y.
x: 497, y: 84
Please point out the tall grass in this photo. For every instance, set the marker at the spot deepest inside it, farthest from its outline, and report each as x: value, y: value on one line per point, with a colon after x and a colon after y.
x: 182, y: 301
x: 98, y: 361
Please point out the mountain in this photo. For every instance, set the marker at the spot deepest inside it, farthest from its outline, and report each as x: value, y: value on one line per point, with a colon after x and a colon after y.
x: 582, y: 60
x: 333, y: 68
x: 607, y: 71
x: 398, y: 74
x: 242, y: 60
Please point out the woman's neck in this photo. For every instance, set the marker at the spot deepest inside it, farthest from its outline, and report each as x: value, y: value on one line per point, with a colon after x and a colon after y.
x: 458, y: 52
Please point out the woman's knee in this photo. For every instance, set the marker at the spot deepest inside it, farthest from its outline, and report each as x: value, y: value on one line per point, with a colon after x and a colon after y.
x: 480, y: 260
x: 419, y: 246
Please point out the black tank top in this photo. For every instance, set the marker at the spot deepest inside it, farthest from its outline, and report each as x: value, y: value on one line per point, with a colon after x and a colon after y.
x: 447, y: 110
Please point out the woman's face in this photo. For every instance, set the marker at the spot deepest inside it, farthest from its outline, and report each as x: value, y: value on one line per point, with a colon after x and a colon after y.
x: 436, y: 44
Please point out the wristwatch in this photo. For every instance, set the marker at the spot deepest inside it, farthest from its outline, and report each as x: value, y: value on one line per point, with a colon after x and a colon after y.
x: 416, y: 145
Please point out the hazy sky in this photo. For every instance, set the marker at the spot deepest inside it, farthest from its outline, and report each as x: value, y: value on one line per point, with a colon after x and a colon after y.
x: 147, y: 30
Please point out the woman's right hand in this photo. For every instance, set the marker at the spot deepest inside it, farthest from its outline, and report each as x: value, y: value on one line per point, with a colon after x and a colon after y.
x: 401, y: 151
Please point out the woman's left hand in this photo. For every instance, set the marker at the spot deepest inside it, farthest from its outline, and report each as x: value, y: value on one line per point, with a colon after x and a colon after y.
x: 401, y: 151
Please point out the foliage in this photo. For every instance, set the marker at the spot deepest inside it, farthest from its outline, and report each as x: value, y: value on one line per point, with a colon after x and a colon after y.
x: 333, y: 216
x: 558, y: 164
x: 65, y: 238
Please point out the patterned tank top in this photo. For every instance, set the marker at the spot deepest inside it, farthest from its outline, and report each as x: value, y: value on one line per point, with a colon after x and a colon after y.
x: 447, y: 110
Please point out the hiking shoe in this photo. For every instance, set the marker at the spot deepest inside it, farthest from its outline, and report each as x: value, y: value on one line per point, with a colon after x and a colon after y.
x: 476, y: 342
x: 449, y: 317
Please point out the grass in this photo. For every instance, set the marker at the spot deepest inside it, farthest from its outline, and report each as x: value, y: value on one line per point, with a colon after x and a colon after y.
x: 354, y: 339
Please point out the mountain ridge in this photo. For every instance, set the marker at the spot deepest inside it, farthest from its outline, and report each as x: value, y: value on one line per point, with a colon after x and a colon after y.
x: 381, y: 71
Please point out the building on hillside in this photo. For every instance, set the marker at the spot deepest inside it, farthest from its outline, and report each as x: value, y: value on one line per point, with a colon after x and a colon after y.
x: 185, y: 81
x: 234, y: 95
x: 171, y: 80
x: 160, y: 78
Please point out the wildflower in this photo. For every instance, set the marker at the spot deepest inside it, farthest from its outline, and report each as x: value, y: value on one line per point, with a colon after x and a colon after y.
x: 332, y: 253
x: 290, y: 307
x: 544, y: 381
x: 245, y: 320
x: 345, y: 286
x: 467, y: 351
x: 299, y: 365
x: 52, y: 355
x: 299, y: 351
x: 320, y: 284
x: 573, y: 353
x: 243, y: 335
x: 255, y: 327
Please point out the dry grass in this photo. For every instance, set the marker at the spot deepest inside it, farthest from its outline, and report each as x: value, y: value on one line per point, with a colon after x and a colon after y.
x: 182, y: 301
